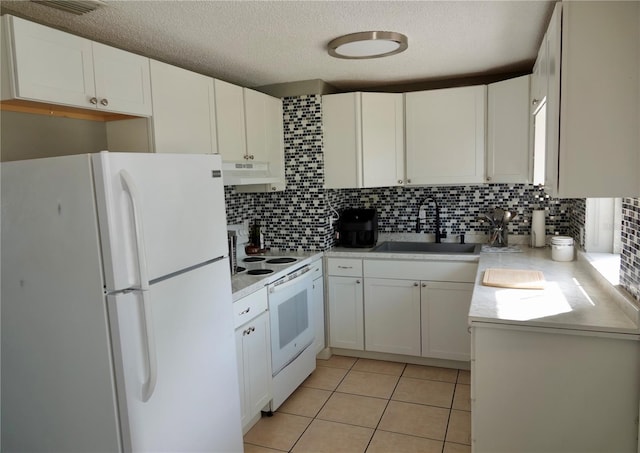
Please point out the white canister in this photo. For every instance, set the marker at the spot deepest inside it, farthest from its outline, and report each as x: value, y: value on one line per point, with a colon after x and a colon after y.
x: 562, y: 248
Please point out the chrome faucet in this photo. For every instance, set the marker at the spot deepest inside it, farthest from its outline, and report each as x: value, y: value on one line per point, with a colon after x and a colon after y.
x: 439, y: 233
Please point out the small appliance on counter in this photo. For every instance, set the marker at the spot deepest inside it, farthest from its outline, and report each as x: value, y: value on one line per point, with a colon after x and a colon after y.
x: 358, y: 228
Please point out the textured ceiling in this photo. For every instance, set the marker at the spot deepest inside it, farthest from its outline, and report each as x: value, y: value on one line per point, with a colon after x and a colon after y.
x: 254, y: 43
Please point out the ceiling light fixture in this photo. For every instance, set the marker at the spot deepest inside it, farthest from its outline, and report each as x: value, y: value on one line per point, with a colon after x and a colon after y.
x: 368, y: 44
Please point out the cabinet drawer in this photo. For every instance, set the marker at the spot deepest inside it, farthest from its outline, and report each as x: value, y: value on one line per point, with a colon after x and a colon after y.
x: 247, y: 308
x: 345, y: 267
x: 316, y: 269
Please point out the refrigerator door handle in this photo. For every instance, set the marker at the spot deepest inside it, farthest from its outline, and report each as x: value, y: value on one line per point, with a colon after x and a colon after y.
x: 132, y: 190
x: 152, y: 367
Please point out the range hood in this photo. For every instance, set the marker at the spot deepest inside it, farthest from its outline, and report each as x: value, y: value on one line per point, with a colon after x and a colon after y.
x: 245, y: 173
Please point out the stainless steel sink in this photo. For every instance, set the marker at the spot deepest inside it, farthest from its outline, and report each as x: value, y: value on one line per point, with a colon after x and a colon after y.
x: 428, y: 247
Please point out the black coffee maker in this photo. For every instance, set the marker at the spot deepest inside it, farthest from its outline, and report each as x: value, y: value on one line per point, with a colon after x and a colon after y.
x: 358, y: 228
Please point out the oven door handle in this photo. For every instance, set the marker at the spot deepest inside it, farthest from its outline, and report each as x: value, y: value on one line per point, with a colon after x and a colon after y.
x: 279, y: 286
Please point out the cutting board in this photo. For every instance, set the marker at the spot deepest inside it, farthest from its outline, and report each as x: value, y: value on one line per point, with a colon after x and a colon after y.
x: 513, y: 278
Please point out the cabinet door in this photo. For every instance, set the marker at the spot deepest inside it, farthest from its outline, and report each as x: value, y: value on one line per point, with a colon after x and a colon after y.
x: 182, y: 120
x: 122, y: 78
x: 382, y: 139
x: 599, y: 143
x: 257, y: 362
x: 552, y: 105
x: 508, y: 131
x: 318, y: 313
x: 263, y: 118
x: 540, y: 76
x: 445, y: 133
x: 49, y: 65
x: 445, y: 311
x: 230, y: 126
x: 244, y: 413
x: 346, y: 316
x: 392, y: 322
x: 341, y: 141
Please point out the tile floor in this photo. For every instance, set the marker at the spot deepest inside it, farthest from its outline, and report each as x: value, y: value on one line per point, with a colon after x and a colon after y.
x: 355, y: 405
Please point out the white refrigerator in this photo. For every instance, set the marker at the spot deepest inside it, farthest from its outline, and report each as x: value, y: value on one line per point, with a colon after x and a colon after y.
x: 117, y: 324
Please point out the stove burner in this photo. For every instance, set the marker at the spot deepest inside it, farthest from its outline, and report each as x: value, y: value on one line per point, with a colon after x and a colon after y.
x: 259, y: 271
x: 284, y: 260
x: 240, y: 269
x: 253, y: 259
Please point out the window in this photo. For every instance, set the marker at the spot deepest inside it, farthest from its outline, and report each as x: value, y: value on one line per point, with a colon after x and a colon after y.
x: 602, y: 235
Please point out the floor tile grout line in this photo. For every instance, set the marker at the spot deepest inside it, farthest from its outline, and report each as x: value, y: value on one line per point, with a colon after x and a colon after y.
x: 323, y: 405
x: 385, y: 409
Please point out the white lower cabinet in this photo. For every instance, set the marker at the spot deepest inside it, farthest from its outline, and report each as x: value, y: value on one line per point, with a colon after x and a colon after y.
x: 444, y: 315
x: 392, y: 316
x: 253, y: 353
x: 346, y: 315
x: 414, y: 308
x: 553, y: 390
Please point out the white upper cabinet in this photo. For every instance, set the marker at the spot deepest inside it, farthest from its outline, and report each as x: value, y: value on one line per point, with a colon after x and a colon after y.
x: 183, y: 110
x: 593, y: 143
x: 363, y: 140
x: 263, y: 119
x: 508, y: 120
x: 229, y: 102
x: 46, y: 65
x: 445, y: 135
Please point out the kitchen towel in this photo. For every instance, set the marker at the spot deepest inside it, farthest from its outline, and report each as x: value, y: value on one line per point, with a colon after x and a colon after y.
x: 513, y: 278
x: 538, y: 237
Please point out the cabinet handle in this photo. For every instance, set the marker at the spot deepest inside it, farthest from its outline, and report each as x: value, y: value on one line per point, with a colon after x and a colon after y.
x: 104, y: 102
x: 249, y: 330
x: 93, y: 101
x: 358, y: 282
x: 345, y: 267
x: 415, y: 283
x: 424, y: 285
x: 245, y: 311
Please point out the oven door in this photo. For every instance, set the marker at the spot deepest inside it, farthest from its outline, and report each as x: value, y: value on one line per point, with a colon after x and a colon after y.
x: 291, y: 319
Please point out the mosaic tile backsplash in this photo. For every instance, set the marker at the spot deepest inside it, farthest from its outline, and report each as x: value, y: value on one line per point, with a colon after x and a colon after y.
x: 297, y: 219
x: 630, y: 255
x: 460, y: 207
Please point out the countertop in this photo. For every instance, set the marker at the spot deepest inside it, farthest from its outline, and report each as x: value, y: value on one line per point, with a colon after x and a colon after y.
x: 243, y: 284
x: 575, y: 297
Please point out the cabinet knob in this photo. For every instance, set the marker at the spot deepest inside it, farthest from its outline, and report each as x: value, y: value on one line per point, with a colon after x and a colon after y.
x: 408, y: 181
x: 424, y: 285
x: 488, y: 178
x: 357, y: 282
x: 415, y: 284
x: 273, y: 188
x: 94, y: 101
x: 251, y: 157
x: 399, y: 181
x: 535, y: 102
x: 104, y: 102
